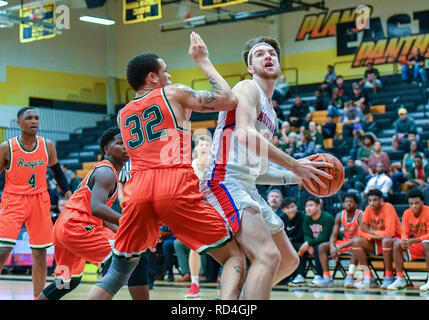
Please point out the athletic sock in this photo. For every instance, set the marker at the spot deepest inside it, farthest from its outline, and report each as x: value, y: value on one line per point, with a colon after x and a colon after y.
x: 388, y: 273
x: 326, y: 274
x: 368, y: 274
x: 195, y: 279
x: 400, y: 274
x: 352, y: 269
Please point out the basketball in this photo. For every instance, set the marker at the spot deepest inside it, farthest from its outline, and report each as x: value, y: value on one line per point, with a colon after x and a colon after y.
x: 337, y: 173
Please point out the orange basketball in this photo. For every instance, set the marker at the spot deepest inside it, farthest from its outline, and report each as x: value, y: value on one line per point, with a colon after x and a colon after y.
x: 337, y: 173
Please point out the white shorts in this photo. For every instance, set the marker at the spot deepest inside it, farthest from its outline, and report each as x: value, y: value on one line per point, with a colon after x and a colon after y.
x: 231, y: 197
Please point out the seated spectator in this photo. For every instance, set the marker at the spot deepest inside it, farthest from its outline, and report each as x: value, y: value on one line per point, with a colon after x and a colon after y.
x: 316, y: 134
x: 365, y: 151
x: 308, y: 119
x: 343, y: 90
x: 317, y: 228
x: 379, y: 228
x: 403, y: 126
x: 400, y: 174
x: 336, y: 104
x: 329, y: 128
x: 418, y: 176
x: 276, y: 140
x: 378, y: 156
x: 281, y: 90
x: 297, y: 113
x: 330, y: 77
x: 405, y: 143
x: 414, y: 241
x: 380, y: 181
x: 360, y: 99
x: 167, y: 239
x: 285, y: 130
x: 320, y: 103
x: 279, y: 112
x: 75, y: 181
x: 290, y: 147
x: 306, y: 146
x: 354, y: 176
x: 293, y: 219
x: 371, y: 79
x: 347, y: 220
x: 415, y: 67
x: 357, y: 142
x: 352, y: 119
x: 67, y: 172
x: 182, y: 252
x: 274, y: 200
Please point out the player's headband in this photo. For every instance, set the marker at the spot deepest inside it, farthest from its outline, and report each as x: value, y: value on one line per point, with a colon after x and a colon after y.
x: 254, y: 47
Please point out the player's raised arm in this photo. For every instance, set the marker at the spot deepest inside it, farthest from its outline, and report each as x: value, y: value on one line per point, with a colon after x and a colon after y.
x: 220, y: 98
x: 247, y: 98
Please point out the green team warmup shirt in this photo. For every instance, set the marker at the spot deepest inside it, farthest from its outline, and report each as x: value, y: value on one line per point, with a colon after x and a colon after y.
x: 318, y: 231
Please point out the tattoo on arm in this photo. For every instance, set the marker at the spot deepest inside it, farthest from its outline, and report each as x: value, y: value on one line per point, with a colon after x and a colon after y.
x: 204, y: 96
x: 237, y: 269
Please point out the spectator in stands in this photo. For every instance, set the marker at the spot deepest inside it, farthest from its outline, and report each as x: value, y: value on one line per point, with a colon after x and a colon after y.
x: 182, y: 252
x: 316, y: 134
x: 380, y: 181
x: 281, y: 90
x: 352, y: 119
x: 418, y: 176
x: 403, y: 126
x: 274, y: 200
x: 164, y: 253
x: 365, y: 151
x: 279, y: 112
x: 330, y: 77
x: 343, y: 90
x: 285, y: 130
x: 360, y: 99
x: 371, y: 79
x: 291, y: 146
x: 275, y: 140
x: 329, y: 128
x: 75, y: 181
x: 297, y: 113
x: 347, y: 220
x: 401, y: 172
x: 415, y: 67
x: 67, y: 172
x: 320, y: 102
x: 406, y: 141
x: 358, y: 137
x: 293, y: 220
x: 336, y: 104
x: 306, y: 146
x: 317, y: 227
x: 414, y: 241
x: 378, y: 156
x: 354, y: 176
x: 378, y: 229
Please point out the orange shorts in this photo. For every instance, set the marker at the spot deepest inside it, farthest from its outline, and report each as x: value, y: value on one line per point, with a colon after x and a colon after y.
x: 78, y: 238
x: 172, y: 197
x: 414, y: 252
x: 34, y: 211
x: 345, y: 249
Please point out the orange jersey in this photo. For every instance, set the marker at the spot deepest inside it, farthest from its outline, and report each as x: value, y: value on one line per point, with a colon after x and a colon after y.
x: 27, y: 170
x: 415, y: 227
x: 350, y: 228
x: 151, y: 135
x: 81, y: 198
x: 385, y: 223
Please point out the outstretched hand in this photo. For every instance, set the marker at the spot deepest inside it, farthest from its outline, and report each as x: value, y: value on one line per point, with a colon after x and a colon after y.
x: 307, y: 170
x: 197, y: 48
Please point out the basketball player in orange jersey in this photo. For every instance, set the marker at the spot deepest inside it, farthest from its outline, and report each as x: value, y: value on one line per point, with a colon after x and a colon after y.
x: 239, y: 160
x: 379, y: 229
x: 86, y: 228
x: 414, y: 241
x: 25, y: 198
x: 349, y: 220
x: 163, y: 187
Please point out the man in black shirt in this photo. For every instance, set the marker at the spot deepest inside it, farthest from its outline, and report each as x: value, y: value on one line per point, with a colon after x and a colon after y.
x: 415, y: 67
x: 297, y: 113
x: 360, y: 98
x: 371, y: 79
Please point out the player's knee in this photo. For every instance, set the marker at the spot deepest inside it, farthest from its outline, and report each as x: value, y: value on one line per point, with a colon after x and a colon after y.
x: 271, y: 257
x: 387, y: 242
x: 58, y: 289
x: 397, y: 246
x: 357, y: 242
x: 323, y: 247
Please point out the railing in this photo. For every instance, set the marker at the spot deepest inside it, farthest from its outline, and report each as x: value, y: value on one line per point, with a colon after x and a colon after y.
x: 395, y: 70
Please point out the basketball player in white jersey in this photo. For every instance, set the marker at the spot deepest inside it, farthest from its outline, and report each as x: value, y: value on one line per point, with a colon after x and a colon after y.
x: 239, y: 160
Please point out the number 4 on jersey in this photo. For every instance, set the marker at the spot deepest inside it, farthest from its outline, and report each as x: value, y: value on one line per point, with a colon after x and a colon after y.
x: 32, y: 181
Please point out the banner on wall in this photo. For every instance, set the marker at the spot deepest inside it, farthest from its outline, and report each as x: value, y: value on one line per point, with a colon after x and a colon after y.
x: 141, y: 10
x: 211, y: 4
x: 387, y: 40
x: 44, y: 12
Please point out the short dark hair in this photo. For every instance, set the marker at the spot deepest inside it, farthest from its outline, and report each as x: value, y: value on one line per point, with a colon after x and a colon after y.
x: 139, y: 67
x: 417, y: 156
x: 314, y: 199
x: 249, y: 45
x: 375, y: 192
x: 108, y: 136
x: 288, y: 201
x: 22, y: 110
x: 353, y: 196
x: 416, y: 194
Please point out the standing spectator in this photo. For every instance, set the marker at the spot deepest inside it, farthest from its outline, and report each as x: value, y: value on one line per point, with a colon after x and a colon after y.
x: 414, y: 241
x: 415, y: 67
x: 365, y: 151
x: 418, y: 176
x: 317, y: 228
x: 182, y: 252
x: 403, y: 126
x: 355, y: 176
x: 306, y: 147
x: 360, y: 99
x: 352, y: 120
x: 379, y: 228
x: 380, y: 181
x: 330, y: 77
x: 329, y: 128
x: 167, y: 239
x: 297, y: 113
x: 281, y: 89
x: 371, y: 79
x: 336, y: 105
x: 293, y: 220
x: 378, y: 156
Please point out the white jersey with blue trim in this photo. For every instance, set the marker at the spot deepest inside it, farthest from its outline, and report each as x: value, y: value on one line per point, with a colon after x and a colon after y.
x: 230, y: 159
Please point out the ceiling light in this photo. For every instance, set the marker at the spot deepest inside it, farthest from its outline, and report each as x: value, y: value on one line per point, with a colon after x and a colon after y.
x: 3, y: 3
x: 103, y: 21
